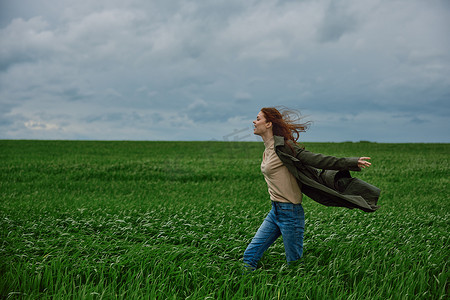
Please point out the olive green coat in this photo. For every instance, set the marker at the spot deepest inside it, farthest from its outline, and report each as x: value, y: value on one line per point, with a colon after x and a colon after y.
x: 331, y: 186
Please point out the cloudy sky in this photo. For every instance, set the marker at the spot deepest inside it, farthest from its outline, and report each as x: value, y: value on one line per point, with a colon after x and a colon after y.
x: 376, y: 70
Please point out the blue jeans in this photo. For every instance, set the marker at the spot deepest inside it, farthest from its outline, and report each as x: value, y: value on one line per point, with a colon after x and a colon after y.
x: 284, y: 219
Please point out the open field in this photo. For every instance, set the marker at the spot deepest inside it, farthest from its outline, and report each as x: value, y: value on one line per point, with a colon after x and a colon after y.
x: 171, y: 220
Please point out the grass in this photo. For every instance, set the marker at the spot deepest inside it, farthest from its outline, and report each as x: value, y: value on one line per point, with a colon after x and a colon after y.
x: 171, y: 220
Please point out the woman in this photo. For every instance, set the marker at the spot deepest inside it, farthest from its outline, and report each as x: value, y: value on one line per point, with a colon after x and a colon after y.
x: 286, y: 217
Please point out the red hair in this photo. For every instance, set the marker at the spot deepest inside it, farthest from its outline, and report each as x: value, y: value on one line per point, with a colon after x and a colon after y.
x: 285, y: 123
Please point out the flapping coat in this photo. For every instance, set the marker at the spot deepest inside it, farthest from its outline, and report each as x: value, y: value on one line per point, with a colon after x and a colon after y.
x: 326, y: 179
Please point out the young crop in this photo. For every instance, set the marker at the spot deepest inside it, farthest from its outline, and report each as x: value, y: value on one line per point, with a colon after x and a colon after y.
x: 171, y: 220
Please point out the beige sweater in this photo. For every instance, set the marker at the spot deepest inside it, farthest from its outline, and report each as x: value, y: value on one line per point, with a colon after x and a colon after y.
x: 283, y: 186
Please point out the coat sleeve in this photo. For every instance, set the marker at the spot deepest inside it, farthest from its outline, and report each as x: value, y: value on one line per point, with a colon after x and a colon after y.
x: 326, y: 162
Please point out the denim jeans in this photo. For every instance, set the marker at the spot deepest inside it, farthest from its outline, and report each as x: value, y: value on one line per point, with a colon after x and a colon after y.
x: 285, y: 219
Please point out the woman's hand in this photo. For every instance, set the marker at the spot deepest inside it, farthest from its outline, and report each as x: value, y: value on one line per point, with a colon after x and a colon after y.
x: 362, y: 162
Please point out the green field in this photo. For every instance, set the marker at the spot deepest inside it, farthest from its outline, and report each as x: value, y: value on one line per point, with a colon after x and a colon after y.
x: 171, y: 220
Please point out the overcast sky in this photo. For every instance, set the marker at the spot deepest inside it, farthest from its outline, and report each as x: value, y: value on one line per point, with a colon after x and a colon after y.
x: 376, y: 70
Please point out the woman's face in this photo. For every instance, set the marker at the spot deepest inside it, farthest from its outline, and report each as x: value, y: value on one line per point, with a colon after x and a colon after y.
x: 260, y: 124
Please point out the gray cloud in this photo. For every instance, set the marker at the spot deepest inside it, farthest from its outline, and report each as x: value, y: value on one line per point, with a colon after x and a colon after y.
x: 336, y: 22
x: 201, y: 69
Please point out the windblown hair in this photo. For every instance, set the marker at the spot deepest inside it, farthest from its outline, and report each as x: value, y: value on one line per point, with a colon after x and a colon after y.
x: 285, y: 122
